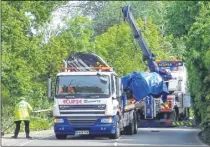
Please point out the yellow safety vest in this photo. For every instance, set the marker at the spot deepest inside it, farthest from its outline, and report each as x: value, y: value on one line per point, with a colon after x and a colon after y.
x: 22, y: 110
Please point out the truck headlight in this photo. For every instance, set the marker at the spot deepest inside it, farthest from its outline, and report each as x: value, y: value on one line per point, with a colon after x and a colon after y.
x: 58, y: 120
x: 107, y: 120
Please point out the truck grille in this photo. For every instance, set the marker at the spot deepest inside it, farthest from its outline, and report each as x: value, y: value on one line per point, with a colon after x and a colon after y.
x: 82, y: 121
x: 82, y: 107
x: 84, y: 112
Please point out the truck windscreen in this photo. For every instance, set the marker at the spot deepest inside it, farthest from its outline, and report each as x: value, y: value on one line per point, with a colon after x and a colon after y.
x: 83, y: 86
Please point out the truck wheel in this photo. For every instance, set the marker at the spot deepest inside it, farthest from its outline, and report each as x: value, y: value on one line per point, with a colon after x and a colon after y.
x: 135, y: 123
x: 60, y: 136
x: 130, y: 128
x: 116, y: 135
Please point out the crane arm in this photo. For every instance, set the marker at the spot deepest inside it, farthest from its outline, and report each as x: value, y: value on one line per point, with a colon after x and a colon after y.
x: 148, y: 56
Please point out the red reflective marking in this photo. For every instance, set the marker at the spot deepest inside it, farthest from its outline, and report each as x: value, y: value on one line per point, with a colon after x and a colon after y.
x: 168, y: 121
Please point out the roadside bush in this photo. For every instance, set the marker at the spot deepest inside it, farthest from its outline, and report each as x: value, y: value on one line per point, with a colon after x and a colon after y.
x: 35, y: 125
x: 39, y: 124
x: 205, y: 134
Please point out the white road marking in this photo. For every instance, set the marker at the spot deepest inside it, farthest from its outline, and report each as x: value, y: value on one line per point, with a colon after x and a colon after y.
x: 34, y: 140
x: 116, y: 142
x: 162, y: 145
x: 26, y: 143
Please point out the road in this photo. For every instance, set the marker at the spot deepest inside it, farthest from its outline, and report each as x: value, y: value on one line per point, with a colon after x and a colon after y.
x: 145, y: 137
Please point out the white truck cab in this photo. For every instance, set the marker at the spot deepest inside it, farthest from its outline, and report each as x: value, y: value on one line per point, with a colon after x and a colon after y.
x: 178, y: 88
x: 86, y: 103
x: 89, y: 100
x: 86, y: 94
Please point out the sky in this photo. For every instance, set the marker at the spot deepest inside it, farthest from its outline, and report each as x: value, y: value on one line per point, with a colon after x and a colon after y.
x: 59, y: 16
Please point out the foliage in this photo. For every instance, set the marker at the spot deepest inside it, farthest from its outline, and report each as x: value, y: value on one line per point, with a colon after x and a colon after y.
x: 180, y: 15
x: 198, y: 59
x: 118, y: 48
x: 35, y: 125
x: 177, y: 46
x: 40, y: 10
x: 190, y: 22
x: 23, y: 58
x: 39, y: 124
x: 76, y: 38
x: 205, y: 135
x: 108, y: 13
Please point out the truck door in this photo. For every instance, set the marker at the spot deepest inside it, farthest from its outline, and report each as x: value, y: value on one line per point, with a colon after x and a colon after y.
x: 116, y: 86
x: 115, y: 92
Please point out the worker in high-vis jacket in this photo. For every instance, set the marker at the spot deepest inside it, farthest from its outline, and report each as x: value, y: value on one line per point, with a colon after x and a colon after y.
x: 22, y: 113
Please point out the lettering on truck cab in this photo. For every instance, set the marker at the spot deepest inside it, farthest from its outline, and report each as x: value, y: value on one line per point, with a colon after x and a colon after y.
x: 72, y: 101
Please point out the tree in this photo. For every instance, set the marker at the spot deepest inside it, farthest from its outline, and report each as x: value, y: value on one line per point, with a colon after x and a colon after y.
x: 180, y: 15
x: 198, y: 61
x: 76, y: 38
x: 22, y: 54
x: 118, y: 48
x: 107, y: 14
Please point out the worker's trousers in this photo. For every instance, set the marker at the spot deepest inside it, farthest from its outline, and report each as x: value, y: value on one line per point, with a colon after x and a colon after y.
x: 17, y: 129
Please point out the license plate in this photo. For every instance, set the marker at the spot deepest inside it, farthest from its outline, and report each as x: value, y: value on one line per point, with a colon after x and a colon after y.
x: 81, y: 132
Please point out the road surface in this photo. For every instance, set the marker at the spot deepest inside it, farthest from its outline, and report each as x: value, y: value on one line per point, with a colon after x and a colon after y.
x: 145, y: 137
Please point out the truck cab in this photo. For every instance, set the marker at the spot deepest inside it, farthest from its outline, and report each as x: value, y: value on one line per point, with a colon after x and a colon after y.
x: 86, y: 103
x: 177, y: 87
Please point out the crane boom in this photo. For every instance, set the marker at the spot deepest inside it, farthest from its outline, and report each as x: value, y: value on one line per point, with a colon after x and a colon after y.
x: 148, y: 56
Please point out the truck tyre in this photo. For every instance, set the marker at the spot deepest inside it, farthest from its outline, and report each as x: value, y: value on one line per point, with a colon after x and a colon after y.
x: 130, y: 128
x: 116, y: 135
x: 135, y: 123
x: 60, y: 136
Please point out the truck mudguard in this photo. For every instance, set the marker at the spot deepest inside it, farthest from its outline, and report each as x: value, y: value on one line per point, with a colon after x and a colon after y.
x: 143, y: 84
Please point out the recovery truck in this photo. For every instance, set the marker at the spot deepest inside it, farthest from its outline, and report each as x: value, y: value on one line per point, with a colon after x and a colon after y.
x: 178, y: 87
x: 88, y: 99
x: 160, y: 106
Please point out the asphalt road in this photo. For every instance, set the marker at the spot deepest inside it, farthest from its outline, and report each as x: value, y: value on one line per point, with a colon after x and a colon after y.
x: 145, y: 137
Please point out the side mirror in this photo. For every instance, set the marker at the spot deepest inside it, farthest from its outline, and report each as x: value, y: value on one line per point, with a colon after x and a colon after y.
x: 49, y: 88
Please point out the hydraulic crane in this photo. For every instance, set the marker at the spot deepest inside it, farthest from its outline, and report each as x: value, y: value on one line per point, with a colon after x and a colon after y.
x: 148, y: 56
x: 177, y: 94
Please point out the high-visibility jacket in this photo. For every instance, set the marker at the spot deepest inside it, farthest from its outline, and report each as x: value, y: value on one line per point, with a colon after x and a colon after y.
x: 22, y: 111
